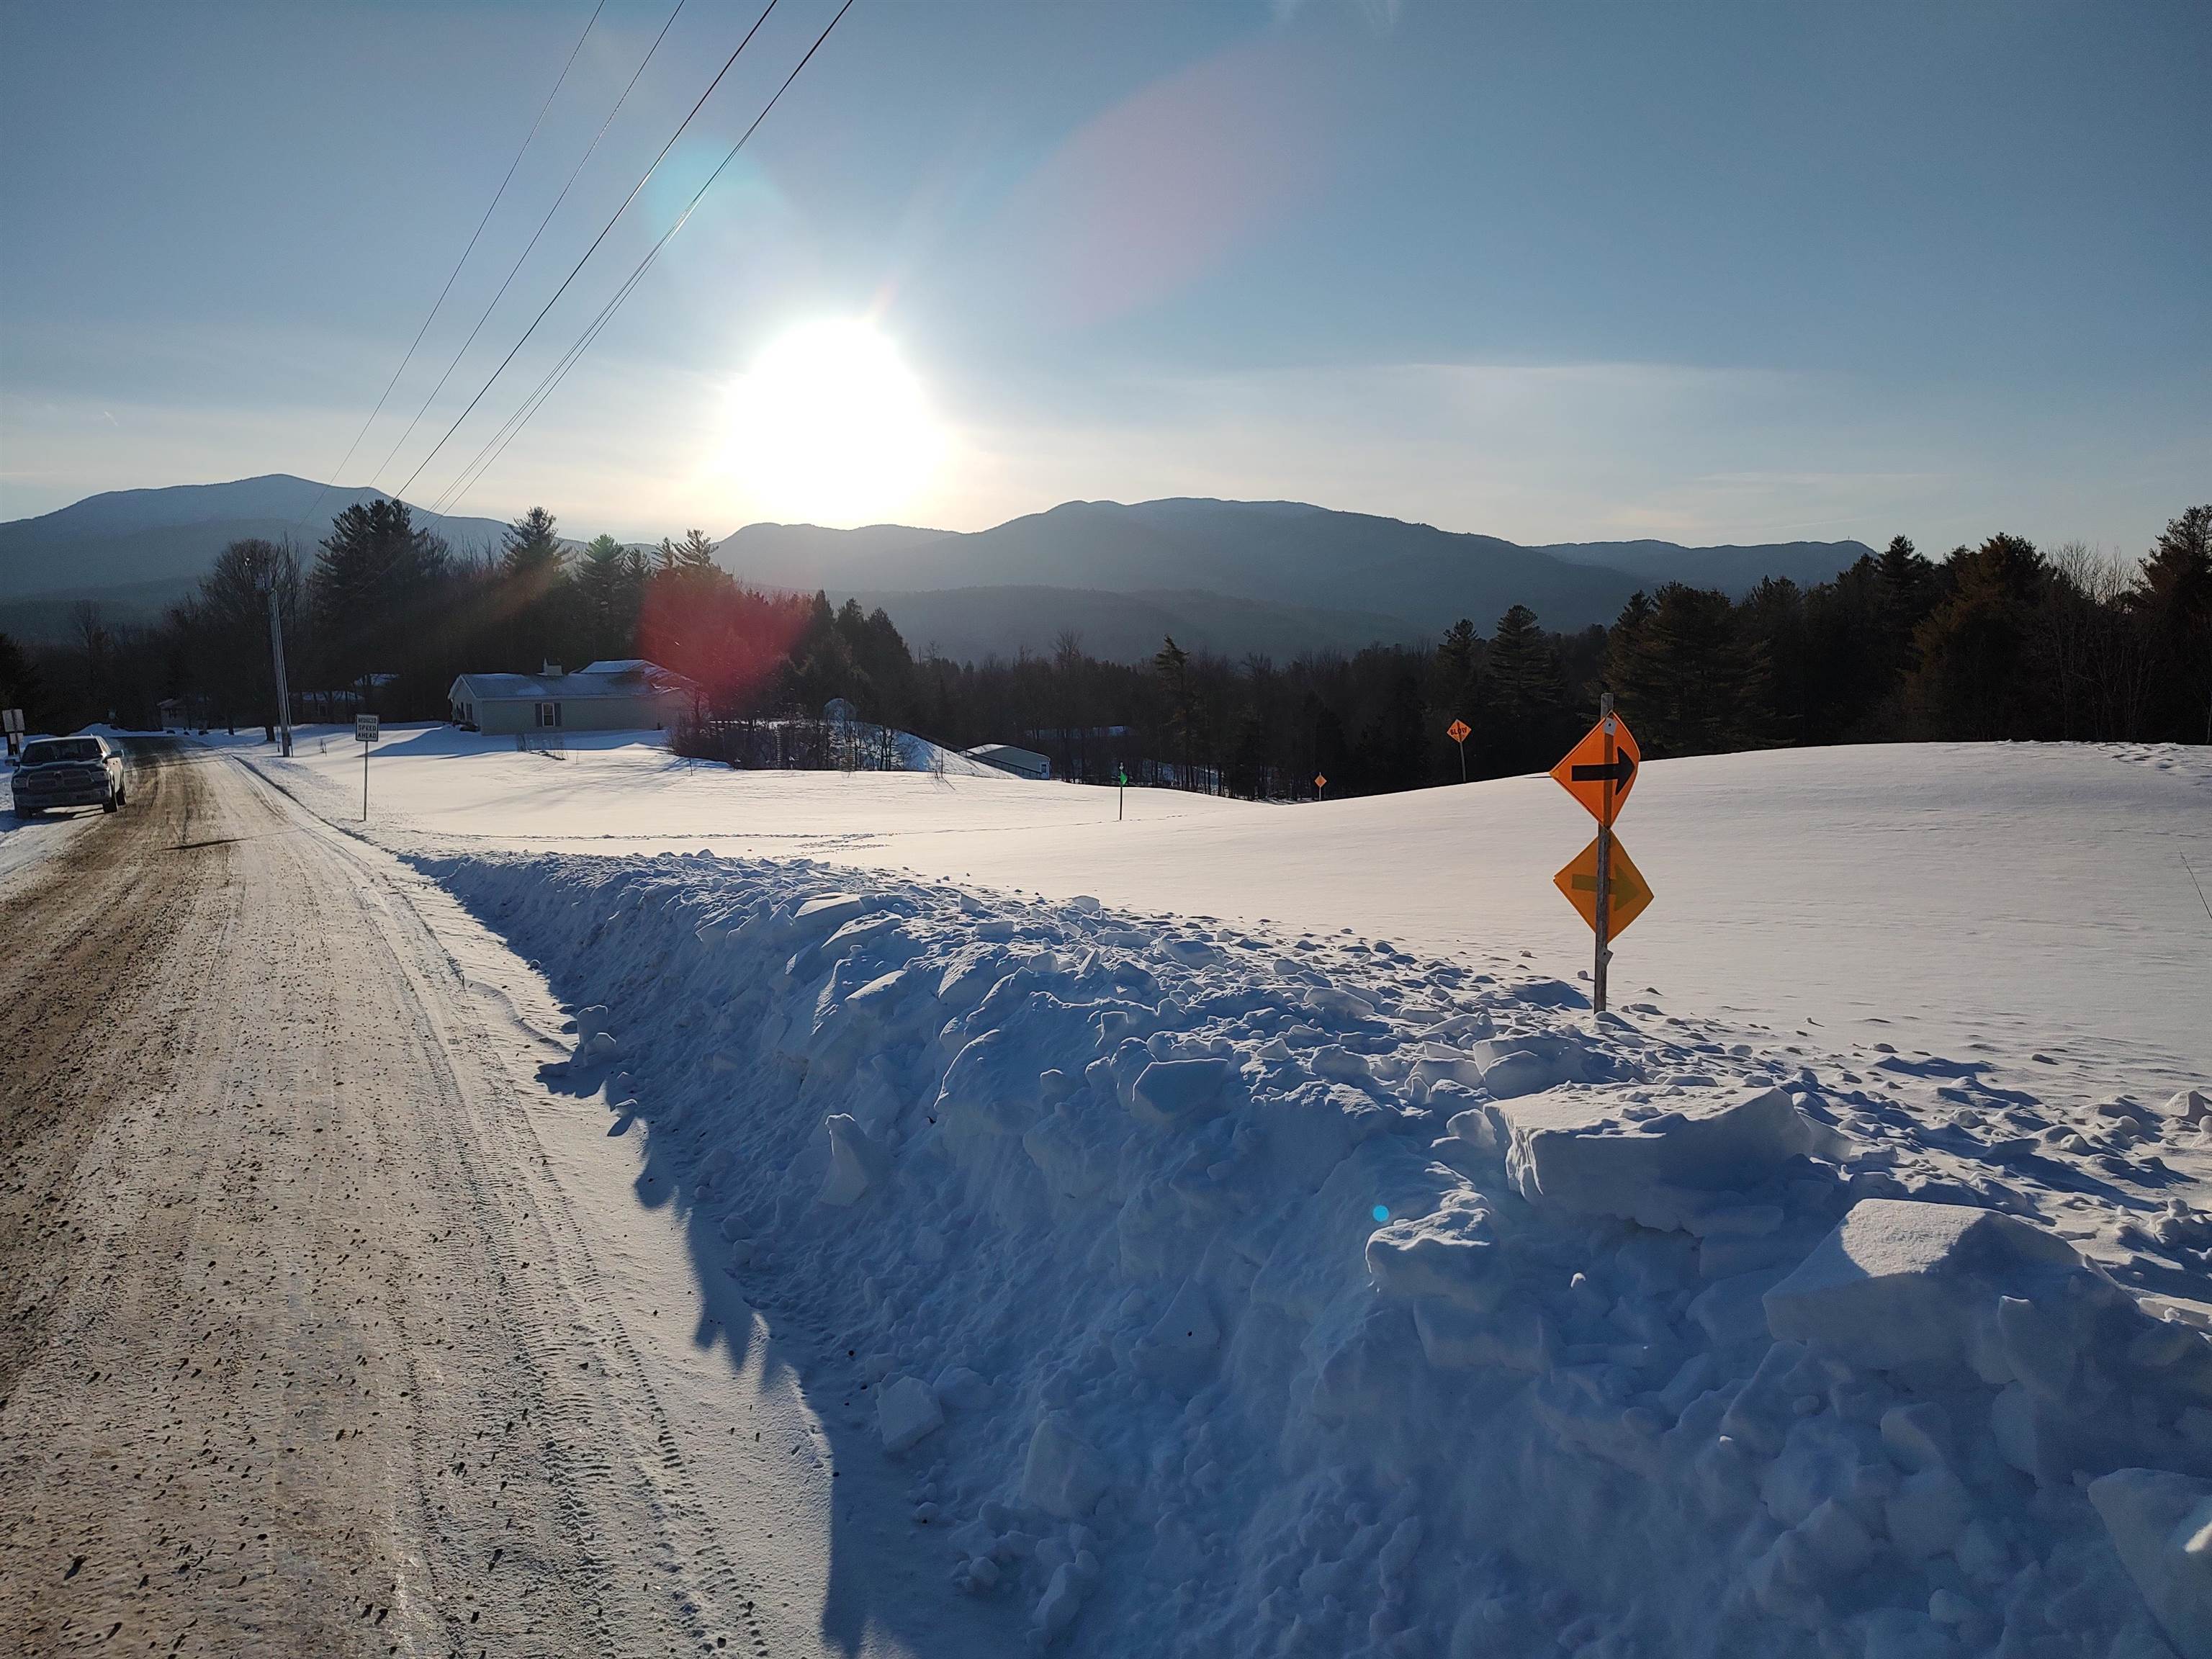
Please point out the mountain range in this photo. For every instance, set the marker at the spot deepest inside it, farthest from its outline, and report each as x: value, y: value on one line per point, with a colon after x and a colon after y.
x: 136, y: 550
x: 1278, y: 578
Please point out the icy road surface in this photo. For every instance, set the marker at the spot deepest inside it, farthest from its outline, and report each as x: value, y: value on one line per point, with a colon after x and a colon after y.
x: 328, y: 1330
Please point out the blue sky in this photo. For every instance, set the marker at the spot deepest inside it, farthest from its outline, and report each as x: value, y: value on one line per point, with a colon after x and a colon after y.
x: 1706, y: 272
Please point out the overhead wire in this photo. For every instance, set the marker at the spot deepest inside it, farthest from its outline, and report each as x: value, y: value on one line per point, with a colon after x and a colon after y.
x: 455, y: 274
x: 492, y: 378
x: 496, y: 445
x: 574, y: 173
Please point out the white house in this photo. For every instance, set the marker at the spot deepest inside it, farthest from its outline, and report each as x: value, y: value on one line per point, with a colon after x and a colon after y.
x: 628, y: 695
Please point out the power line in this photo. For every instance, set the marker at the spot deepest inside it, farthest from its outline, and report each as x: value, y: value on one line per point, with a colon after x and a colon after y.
x: 459, y: 263
x: 483, y: 461
x: 519, y: 258
x: 588, y: 252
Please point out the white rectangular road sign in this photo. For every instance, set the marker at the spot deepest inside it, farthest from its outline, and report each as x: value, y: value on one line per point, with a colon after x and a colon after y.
x: 11, y: 721
x: 364, y: 728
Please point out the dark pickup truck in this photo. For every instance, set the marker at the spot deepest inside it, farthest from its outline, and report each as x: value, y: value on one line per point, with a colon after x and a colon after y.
x: 68, y: 772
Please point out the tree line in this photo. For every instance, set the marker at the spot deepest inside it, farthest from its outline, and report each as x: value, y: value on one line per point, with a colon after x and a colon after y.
x: 1999, y: 641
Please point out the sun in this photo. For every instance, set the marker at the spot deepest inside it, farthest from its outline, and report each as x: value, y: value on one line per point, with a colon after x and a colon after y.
x: 831, y: 427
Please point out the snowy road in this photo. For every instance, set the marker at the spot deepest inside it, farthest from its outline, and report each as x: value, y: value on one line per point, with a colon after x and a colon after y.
x: 309, y: 1344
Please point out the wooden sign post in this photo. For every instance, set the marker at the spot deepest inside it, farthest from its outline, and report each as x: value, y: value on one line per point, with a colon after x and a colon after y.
x: 365, y: 733
x: 1599, y: 772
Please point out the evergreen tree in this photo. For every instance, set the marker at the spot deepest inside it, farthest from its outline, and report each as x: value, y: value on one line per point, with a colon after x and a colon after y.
x: 2173, y: 601
x: 1688, y: 678
x: 1172, y: 665
x: 531, y: 548
x: 372, y: 593
x: 1975, y: 674
x: 1525, y: 684
x: 609, y: 582
x: 695, y: 553
x: 1457, y: 660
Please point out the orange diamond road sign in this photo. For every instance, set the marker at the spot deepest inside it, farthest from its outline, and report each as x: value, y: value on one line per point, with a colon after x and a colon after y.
x: 1627, y: 894
x: 1459, y: 731
x: 1320, y: 782
x: 1600, y: 769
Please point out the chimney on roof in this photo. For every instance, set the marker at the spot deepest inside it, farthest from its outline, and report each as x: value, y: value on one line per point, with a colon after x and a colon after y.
x: 551, y: 671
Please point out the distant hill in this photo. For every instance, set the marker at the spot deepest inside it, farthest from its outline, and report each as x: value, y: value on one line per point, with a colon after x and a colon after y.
x: 135, y: 550
x: 1274, y: 577
x: 968, y: 624
x: 1735, y: 570
x: 1378, y: 578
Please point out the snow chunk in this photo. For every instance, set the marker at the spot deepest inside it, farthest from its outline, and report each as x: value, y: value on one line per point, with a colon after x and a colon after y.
x: 1063, y: 1475
x: 856, y: 1163
x: 819, y: 917
x: 1172, y: 1092
x: 1662, y: 1172
x: 1448, y: 1255
x: 906, y: 1413
x: 1901, y: 1283
x: 2161, y: 1530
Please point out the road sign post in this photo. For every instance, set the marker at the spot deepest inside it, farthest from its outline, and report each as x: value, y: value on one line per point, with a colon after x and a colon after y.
x: 1459, y: 731
x: 11, y: 721
x: 1321, y: 782
x: 1120, y: 793
x: 364, y: 733
x: 1599, y: 772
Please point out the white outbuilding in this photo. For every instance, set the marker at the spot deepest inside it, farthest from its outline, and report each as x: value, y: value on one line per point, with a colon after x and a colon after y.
x: 1022, y: 763
x: 629, y: 695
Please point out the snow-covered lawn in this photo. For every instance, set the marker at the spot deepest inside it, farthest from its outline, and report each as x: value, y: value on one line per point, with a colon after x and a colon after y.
x: 2030, y: 911
x: 1332, y: 1283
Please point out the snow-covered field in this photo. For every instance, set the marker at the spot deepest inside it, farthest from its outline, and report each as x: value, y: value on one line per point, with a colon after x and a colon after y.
x: 1332, y: 1283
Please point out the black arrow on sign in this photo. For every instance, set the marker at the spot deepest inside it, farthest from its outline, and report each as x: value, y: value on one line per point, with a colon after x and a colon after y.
x: 1618, y: 774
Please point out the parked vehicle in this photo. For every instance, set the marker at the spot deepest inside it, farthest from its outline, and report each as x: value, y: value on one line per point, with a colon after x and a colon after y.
x: 69, y: 772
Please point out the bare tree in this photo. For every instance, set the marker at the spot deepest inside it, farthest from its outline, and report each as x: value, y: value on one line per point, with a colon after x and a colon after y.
x: 2103, y: 663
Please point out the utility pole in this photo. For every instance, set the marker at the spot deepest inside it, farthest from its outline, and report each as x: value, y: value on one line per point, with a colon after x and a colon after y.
x: 283, y: 687
x: 1604, y: 864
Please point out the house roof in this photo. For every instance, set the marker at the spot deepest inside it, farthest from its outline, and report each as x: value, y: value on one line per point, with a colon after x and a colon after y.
x: 634, y: 677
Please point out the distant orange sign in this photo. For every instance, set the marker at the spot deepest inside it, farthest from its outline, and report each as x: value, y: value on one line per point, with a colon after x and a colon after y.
x: 1320, y: 782
x: 1459, y: 731
x: 1600, y: 769
x: 1627, y: 894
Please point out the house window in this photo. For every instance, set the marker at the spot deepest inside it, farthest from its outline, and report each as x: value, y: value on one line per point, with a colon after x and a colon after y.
x: 548, y: 713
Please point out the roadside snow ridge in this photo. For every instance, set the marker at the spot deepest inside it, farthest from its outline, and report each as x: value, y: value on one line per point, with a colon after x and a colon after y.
x: 1245, y: 1296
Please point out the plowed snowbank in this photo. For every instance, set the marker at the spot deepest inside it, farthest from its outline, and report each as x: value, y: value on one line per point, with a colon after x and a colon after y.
x: 1230, y: 1294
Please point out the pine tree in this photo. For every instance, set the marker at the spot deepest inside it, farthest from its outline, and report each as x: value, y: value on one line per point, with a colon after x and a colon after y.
x: 695, y: 552
x: 1172, y: 663
x: 373, y: 591
x: 610, y: 584
x: 1975, y: 675
x: 1525, y: 686
x: 531, y: 548
x: 1688, y: 679
x: 2173, y: 601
